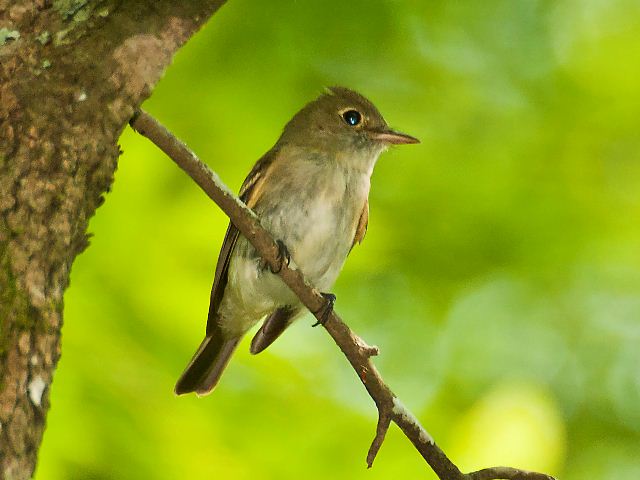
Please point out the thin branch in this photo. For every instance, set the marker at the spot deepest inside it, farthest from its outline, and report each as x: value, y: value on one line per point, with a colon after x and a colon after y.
x: 507, y: 473
x: 354, y: 348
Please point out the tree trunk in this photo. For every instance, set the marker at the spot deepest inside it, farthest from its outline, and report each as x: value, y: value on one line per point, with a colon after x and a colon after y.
x: 71, y: 74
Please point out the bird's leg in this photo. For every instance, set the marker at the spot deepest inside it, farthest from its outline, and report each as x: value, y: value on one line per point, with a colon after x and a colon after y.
x: 326, y: 309
x: 284, y: 257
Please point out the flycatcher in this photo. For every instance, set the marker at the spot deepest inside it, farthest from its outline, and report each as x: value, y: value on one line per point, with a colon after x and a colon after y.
x: 310, y: 192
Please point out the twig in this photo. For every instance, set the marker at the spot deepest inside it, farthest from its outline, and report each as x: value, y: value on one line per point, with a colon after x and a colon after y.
x: 354, y: 348
x: 384, y: 421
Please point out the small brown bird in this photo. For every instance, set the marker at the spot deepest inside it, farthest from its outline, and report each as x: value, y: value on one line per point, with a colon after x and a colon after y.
x: 311, y: 192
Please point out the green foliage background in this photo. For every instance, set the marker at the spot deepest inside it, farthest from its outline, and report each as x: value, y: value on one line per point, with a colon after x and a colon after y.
x: 500, y: 275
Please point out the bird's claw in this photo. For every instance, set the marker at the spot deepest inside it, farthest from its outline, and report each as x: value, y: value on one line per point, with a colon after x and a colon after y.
x: 326, y: 309
x: 284, y: 257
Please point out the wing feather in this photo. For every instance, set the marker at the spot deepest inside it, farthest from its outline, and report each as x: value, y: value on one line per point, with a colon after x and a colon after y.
x: 361, y: 229
x: 250, y: 192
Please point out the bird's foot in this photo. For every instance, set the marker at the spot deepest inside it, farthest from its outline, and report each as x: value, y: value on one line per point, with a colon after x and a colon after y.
x: 326, y: 309
x: 284, y: 257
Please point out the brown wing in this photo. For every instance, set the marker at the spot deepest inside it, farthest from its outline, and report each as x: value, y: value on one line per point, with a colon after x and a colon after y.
x: 361, y: 229
x: 250, y: 192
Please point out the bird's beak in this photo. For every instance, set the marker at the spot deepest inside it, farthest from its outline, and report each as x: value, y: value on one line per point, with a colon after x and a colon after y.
x: 392, y: 137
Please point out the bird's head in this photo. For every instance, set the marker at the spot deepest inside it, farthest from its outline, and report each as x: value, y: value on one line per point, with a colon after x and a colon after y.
x: 341, y: 120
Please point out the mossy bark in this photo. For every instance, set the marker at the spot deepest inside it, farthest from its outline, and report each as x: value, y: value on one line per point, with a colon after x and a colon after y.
x: 71, y: 74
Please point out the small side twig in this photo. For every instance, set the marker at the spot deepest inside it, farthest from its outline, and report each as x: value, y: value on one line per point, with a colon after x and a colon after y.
x: 354, y: 348
x: 384, y: 422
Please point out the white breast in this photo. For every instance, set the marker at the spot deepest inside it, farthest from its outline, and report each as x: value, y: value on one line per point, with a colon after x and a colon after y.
x: 314, y: 210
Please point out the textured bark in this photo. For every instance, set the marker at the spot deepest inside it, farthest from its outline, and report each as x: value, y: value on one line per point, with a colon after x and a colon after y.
x: 72, y: 72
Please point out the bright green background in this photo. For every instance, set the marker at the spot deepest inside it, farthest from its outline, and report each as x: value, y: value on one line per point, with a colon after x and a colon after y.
x: 500, y: 275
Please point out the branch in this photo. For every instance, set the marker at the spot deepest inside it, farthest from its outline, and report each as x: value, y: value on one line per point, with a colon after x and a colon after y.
x: 354, y: 348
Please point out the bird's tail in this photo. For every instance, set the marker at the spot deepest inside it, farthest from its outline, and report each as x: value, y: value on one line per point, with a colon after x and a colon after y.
x: 206, y: 366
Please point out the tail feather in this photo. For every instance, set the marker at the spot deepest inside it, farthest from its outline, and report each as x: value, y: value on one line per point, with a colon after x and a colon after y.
x: 206, y: 366
x: 273, y: 327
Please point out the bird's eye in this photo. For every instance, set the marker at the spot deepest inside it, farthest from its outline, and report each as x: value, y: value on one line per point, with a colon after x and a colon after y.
x: 352, y: 117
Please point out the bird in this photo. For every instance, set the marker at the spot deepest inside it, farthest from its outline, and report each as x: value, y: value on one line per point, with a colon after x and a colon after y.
x: 310, y: 191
